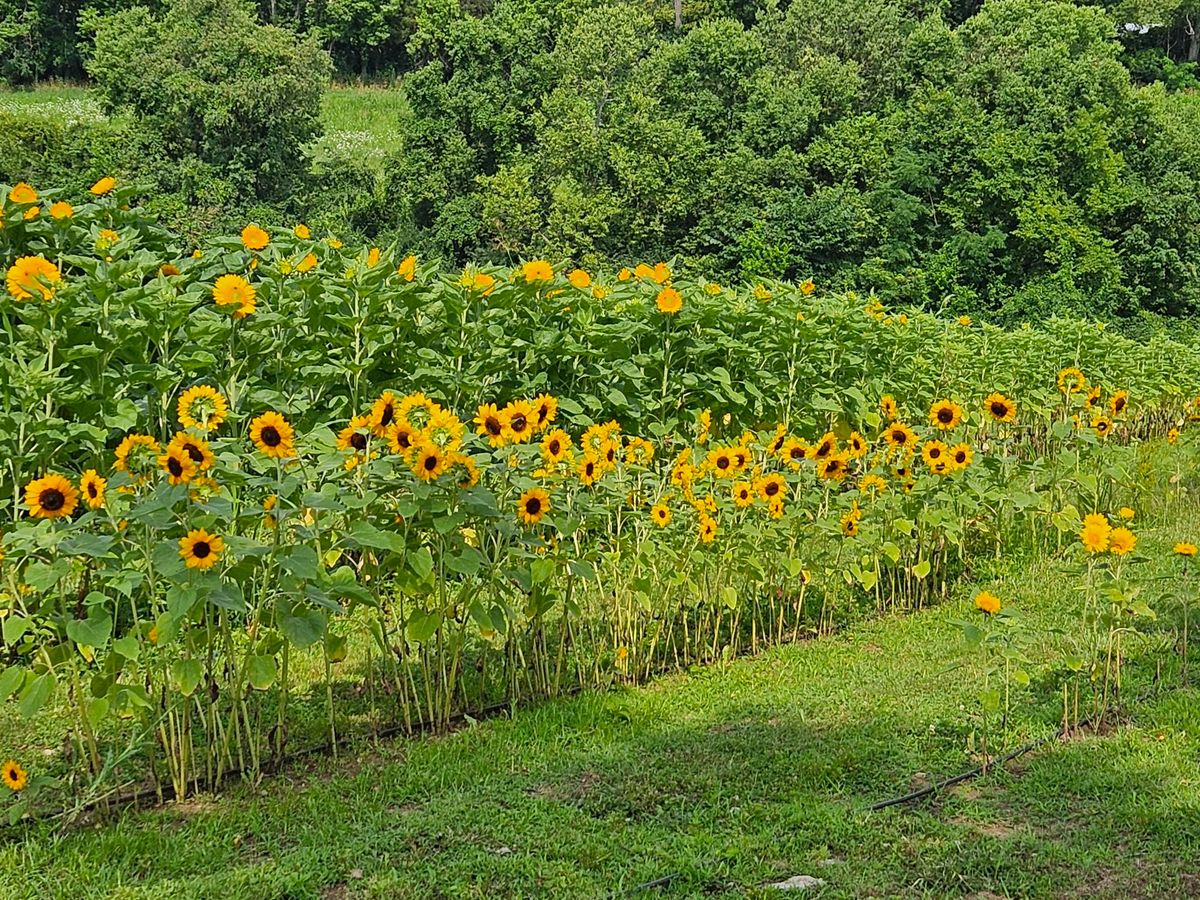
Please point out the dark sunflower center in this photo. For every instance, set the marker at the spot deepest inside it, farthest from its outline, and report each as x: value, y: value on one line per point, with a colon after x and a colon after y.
x: 610, y: 454
x: 960, y: 457
x: 194, y: 452
x: 175, y: 467
x: 533, y: 506
x: 430, y: 462
x: 823, y: 451
x: 899, y: 437
x: 723, y: 462
x: 999, y: 410
x: 52, y: 499
x: 589, y: 468
x: 270, y: 436
x: 389, y: 415
x: 834, y: 466
x: 945, y: 415
x: 1119, y: 404
x: 797, y: 453
x: 519, y: 423
x: 934, y: 452
x: 358, y: 441
x: 493, y: 426
x: 772, y: 488
x: 201, y: 549
x: 554, y: 448
x: 543, y: 413
x: 403, y: 439
x: 743, y: 493
x: 91, y: 489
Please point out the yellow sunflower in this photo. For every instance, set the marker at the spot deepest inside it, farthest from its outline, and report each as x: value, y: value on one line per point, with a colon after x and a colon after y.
x: 546, y: 408
x: 61, y: 210
x: 945, y: 414
x: 383, y: 413
x: 660, y: 515
x: 178, y: 465
x: 669, y: 301
x: 900, y: 437
x: 445, y: 429
x: 427, y: 460
x: 136, y: 453
x: 51, y: 497
x: 470, y: 471
x: 743, y: 494
x: 1121, y: 541
x: 517, y: 421
x: 489, y: 423
x: 537, y: 270
x: 872, y: 484
x: 201, y: 550
x: 417, y: 410
x: 707, y: 529
x: 887, y: 405
x: 1117, y: 403
x: 354, y: 437
x: 961, y: 456
x: 589, y: 470
x: 771, y: 486
x: 987, y: 602
x: 402, y: 438
x: 534, y: 504
x: 1000, y: 408
x: 14, y: 776
x: 639, y: 451
x: 1096, y: 533
x: 721, y: 461
x: 556, y: 446
x: 103, y: 186
x: 1102, y: 425
x: 92, y: 486
x: 197, y: 449
x: 1183, y: 548
x: 1071, y: 381
x: 794, y: 451
x: 202, y: 407
x: 254, y: 238
x: 834, y: 466
x: 826, y: 446
x: 273, y: 435
x: 31, y: 275
x: 232, y: 290
x: 856, y: 445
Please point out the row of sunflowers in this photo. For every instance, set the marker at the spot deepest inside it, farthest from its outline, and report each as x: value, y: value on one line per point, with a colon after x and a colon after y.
x: 237, y: 524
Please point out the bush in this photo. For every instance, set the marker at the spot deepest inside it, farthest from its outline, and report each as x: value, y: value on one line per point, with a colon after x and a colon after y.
x: 216, y: 87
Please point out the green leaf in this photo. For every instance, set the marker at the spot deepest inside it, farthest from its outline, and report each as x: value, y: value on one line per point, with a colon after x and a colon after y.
x: 921, y: 569
x: 186, y: 674
x: 41, y: 577
x: 301, y: 561
x: 422, y: 625
x: 35, y: 695
x: 421, y: 563
x: 303, y: 629
x: 14, y: 627
x: 10, y: 681
x: 94, y: 631
x: 261, y: 672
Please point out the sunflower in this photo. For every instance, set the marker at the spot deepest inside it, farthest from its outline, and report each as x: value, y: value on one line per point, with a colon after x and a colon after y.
x: 534, y: 504
x: 794, y: 452
x: 202, y: 407
x: 489, y: 423
x: 825, y: 447
x: 254, y: 238
x: 1093, y: 396
x: 945, y: 414
x: 899, y: 436
x: 427, y: 460
x: 201, y: 550
x: 103, y: 186
x: 1184, y: 549
x: 669, y: 301
x: 1095, y: 533
x: 833, y: 467
x: 354, y: 437
x: 22, y: 193
x: 1102, y: 425
x: 1126, y: 513
x: 197, y: 449
x: 556, y: 446
x: 383, y: 413
x: 849, y: 521
x: 537, y: 270
x: 743, y: 494
x: 887, y: 405
x: 51, y: 497
x: 445, y: 429
x: 92, y: 486
x: 61, y: 210
x: 778, y: 442
x: 1071, y: 381
x: 15, y: 777
x: 872, y: 484
x: 1173, y: 436
x: 1117, y: 402
x: 720, y: 460
x: 273, y: 435
x: 589, y: 470
x: 232, y: 290
x: 639, y: 451
x: 401, y: 438
x: 775, y: 508
x: 856, y: 445
x: 741, y: 456
x: 1121, y: 541
x: 470, y: 471
x: 987, y: 602
x: 771, y: 486
x: 961, y: 456
x: 31, y: 275
x: 178, y: 465
x: 935, y: 453
x: 417, y: 410
x: 660, y: 515
x: 517, y: 421
x: 1000, y: 408
x: 707, y: 529
x: 546, y: 408
x: 135, y: 452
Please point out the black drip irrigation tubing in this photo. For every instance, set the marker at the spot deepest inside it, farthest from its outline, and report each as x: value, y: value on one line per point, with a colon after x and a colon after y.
x: 1035, y: 744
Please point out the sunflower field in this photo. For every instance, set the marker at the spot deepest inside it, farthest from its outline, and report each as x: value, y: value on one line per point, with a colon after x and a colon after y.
x: 275, y: 490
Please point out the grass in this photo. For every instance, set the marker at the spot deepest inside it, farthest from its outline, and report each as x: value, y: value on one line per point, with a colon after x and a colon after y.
x: 725, y: 778
x: 352, y: 116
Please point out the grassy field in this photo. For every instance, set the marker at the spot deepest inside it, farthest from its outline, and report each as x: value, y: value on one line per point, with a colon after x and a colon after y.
x: 719, y: 781
x: 366, y: 114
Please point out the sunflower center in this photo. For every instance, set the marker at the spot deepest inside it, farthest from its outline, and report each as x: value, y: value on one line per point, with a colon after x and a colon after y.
x: 723, y: 463
x: 960, y: 457
x: 519, y: 423
x: 194, y: 452
x: 934, y: 452
x: 91, y: 489
x: 389, y: 415
x: 554, y: 448
x: 899, y: 437
x: 533, y: 506
x: 493, y: 426
x: 999, y: 410
x: 270, y: 436
x: 52, y: 499
x: 175, y: 467
x: 358, y: 441
x: 201, y: 549
x: 772, y: 488
x: 430, y: 462
x: 945, y: 416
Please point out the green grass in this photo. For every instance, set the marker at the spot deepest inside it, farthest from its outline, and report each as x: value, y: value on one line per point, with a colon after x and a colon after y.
x: 727, y: 778
x: 353, y: 117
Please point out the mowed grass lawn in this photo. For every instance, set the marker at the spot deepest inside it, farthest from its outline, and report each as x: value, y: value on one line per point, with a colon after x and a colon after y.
x: 712, y: 783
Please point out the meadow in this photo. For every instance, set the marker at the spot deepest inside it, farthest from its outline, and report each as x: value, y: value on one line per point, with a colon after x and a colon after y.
x: 283, y: 496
